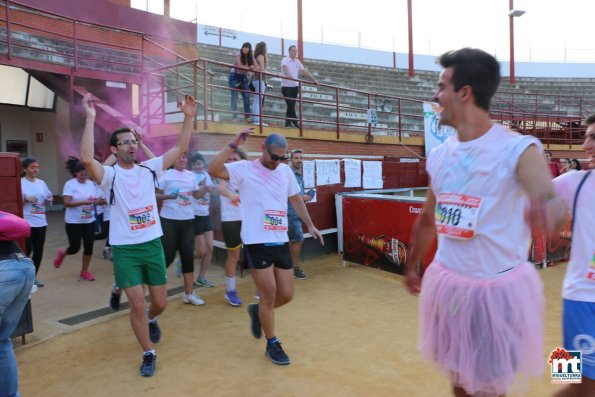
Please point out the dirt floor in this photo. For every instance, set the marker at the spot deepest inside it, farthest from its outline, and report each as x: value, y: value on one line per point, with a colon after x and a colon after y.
x: 350, y: 331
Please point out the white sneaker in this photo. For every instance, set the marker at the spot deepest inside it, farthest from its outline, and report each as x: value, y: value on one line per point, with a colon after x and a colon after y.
x: 178, y: 267
x: 192, y: 299
x: 107, y: 253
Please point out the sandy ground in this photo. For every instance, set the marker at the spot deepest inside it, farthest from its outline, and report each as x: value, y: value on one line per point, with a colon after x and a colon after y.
x: 350, y: 331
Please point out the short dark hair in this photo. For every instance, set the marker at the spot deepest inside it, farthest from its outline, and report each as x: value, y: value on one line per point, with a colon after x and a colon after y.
x: 74, y: 165
x: 275, y: 139
x: 589, y: 120
x: 27, y: 161
x: 475, y: 68
x: 290, y: 47
x: 294, y: 151
x: 113, y: 138
x: 194, y: 157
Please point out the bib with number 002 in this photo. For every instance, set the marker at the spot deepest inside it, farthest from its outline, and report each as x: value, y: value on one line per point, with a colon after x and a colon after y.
x: 141, y: 218
x: 275, y: 220
x: 456, y: 215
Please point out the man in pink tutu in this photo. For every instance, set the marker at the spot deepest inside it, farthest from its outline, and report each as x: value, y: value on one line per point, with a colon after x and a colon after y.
x: 481, y: 302
x: 577, y: 189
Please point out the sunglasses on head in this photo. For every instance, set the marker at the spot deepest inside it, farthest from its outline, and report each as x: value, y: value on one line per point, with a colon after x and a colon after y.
x: 275, y: 157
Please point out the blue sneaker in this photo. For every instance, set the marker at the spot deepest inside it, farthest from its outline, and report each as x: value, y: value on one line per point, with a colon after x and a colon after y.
x: 147, y: 368
x: 275, y: 352
x: 154, y: 332
x: 255, y: 326
x: 233, y: 298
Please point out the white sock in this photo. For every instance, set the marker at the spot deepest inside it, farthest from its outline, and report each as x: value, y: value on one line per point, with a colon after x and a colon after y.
x: 231, y: 283
x: 147, y: 315
x: 150, y: 352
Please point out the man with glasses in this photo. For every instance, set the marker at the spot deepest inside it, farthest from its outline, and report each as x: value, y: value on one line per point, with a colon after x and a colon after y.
x: 264, y: 185
x: 135, y: 229
x: 295, y: 232
x: 291, y: 67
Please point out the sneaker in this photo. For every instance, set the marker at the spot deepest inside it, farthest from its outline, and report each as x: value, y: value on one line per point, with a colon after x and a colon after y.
x: 203, y: 282
x: 59, y: 258
x: 107, y: 253
x: 299, y: 273
x: 87, y: 276
x: 192, y: 299
x: 178, y: 268
x: 147, y: 368
x: 255, y: 326
x: 39, y: 283
x: 275, y: 352
x: 233, y: 298
x: 154, y: 331
x: 258, y: 123
x: 257, y: 295
x: 114, y: 300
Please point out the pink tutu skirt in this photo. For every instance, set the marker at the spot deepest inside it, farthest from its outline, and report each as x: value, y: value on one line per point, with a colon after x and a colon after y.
x: 484, y: 333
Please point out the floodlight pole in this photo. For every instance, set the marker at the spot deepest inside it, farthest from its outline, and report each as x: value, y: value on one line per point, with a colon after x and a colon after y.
x: 511, y: 26
x: 300, y: 43
x: 410, y: 35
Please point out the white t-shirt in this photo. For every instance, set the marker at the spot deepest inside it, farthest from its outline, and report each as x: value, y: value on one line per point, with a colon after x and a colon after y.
x: 134, y: 216
x: 229, y: 212
x: 100, y: 194
x: 182, y: 184
x: 579, y: 283
x: 293, y: 67
x: 34, y: 213
x: 201, y: 205
x: 264, y: 195
x: 480, y: 203
x: 79, y: 192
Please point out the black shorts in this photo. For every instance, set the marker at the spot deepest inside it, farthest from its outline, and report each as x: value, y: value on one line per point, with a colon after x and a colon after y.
x: 202, y: 224
x: 231, y: 234
x: 260, y: 256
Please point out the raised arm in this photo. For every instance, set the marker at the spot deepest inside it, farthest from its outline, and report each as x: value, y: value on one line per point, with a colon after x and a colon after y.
x: 93, y: 167
x: 217, y: 167
x: 424, y: 233
x: 148, y: 153
x: 188, y: 107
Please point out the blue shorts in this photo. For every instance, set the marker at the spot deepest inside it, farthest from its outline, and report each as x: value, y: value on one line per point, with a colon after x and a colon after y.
x: 294, y: 229
x: 579, y: 332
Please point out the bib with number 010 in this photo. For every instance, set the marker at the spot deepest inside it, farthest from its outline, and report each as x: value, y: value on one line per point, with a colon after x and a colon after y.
x: 456, y: 215
x: 141, y: 218
x: 275, y: 220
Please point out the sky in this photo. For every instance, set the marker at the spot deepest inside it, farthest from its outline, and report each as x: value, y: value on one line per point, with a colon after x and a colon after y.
x: 550, y: 30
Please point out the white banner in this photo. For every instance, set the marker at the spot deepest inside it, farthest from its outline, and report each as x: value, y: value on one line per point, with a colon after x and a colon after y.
x: 434, y: 133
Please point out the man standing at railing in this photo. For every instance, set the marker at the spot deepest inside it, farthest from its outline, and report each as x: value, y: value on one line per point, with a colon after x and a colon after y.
x: 577, y: 189
x: 291, y: 67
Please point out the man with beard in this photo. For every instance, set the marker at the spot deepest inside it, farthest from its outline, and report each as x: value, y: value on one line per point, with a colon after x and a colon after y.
x: 265, y: 184
x: 135, y: 229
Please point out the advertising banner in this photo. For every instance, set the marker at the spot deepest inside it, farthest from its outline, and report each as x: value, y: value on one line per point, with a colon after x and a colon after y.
x: 376, y: 232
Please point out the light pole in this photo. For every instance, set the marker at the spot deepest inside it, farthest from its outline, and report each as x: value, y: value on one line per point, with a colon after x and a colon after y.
x: 512, y: 13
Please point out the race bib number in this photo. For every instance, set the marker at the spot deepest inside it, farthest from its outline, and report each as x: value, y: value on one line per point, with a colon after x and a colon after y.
x: 38, y: 208
x: 275, y: 220
x: 204, y: 200
x: 591, y: 271
x: 87, y: 212
x: 141, y: 218
x: 183, y: 199
x: 456, y: 215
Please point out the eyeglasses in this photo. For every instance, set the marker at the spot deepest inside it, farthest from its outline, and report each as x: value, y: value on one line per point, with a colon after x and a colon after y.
x: 275, y: 157
x: 127, y: 142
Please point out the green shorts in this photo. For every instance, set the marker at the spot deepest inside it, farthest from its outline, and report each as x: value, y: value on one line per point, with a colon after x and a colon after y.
x: 137, y: 264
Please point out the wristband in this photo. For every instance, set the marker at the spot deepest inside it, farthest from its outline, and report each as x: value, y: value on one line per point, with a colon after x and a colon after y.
x: 233, y: 146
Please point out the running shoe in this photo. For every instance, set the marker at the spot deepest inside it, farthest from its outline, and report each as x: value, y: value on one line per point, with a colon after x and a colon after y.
x: 148, y: 367
x: 299, y: 273
x: 203, y: 282
x: 275, y: 352
x: 192, y: 299
x: 178, y: 267
x: 233, y: 298
x: 154, y: 331
x: 39, y: 283
x: 255, y: 326
x: 87, y: 276
x: 59, y: 258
